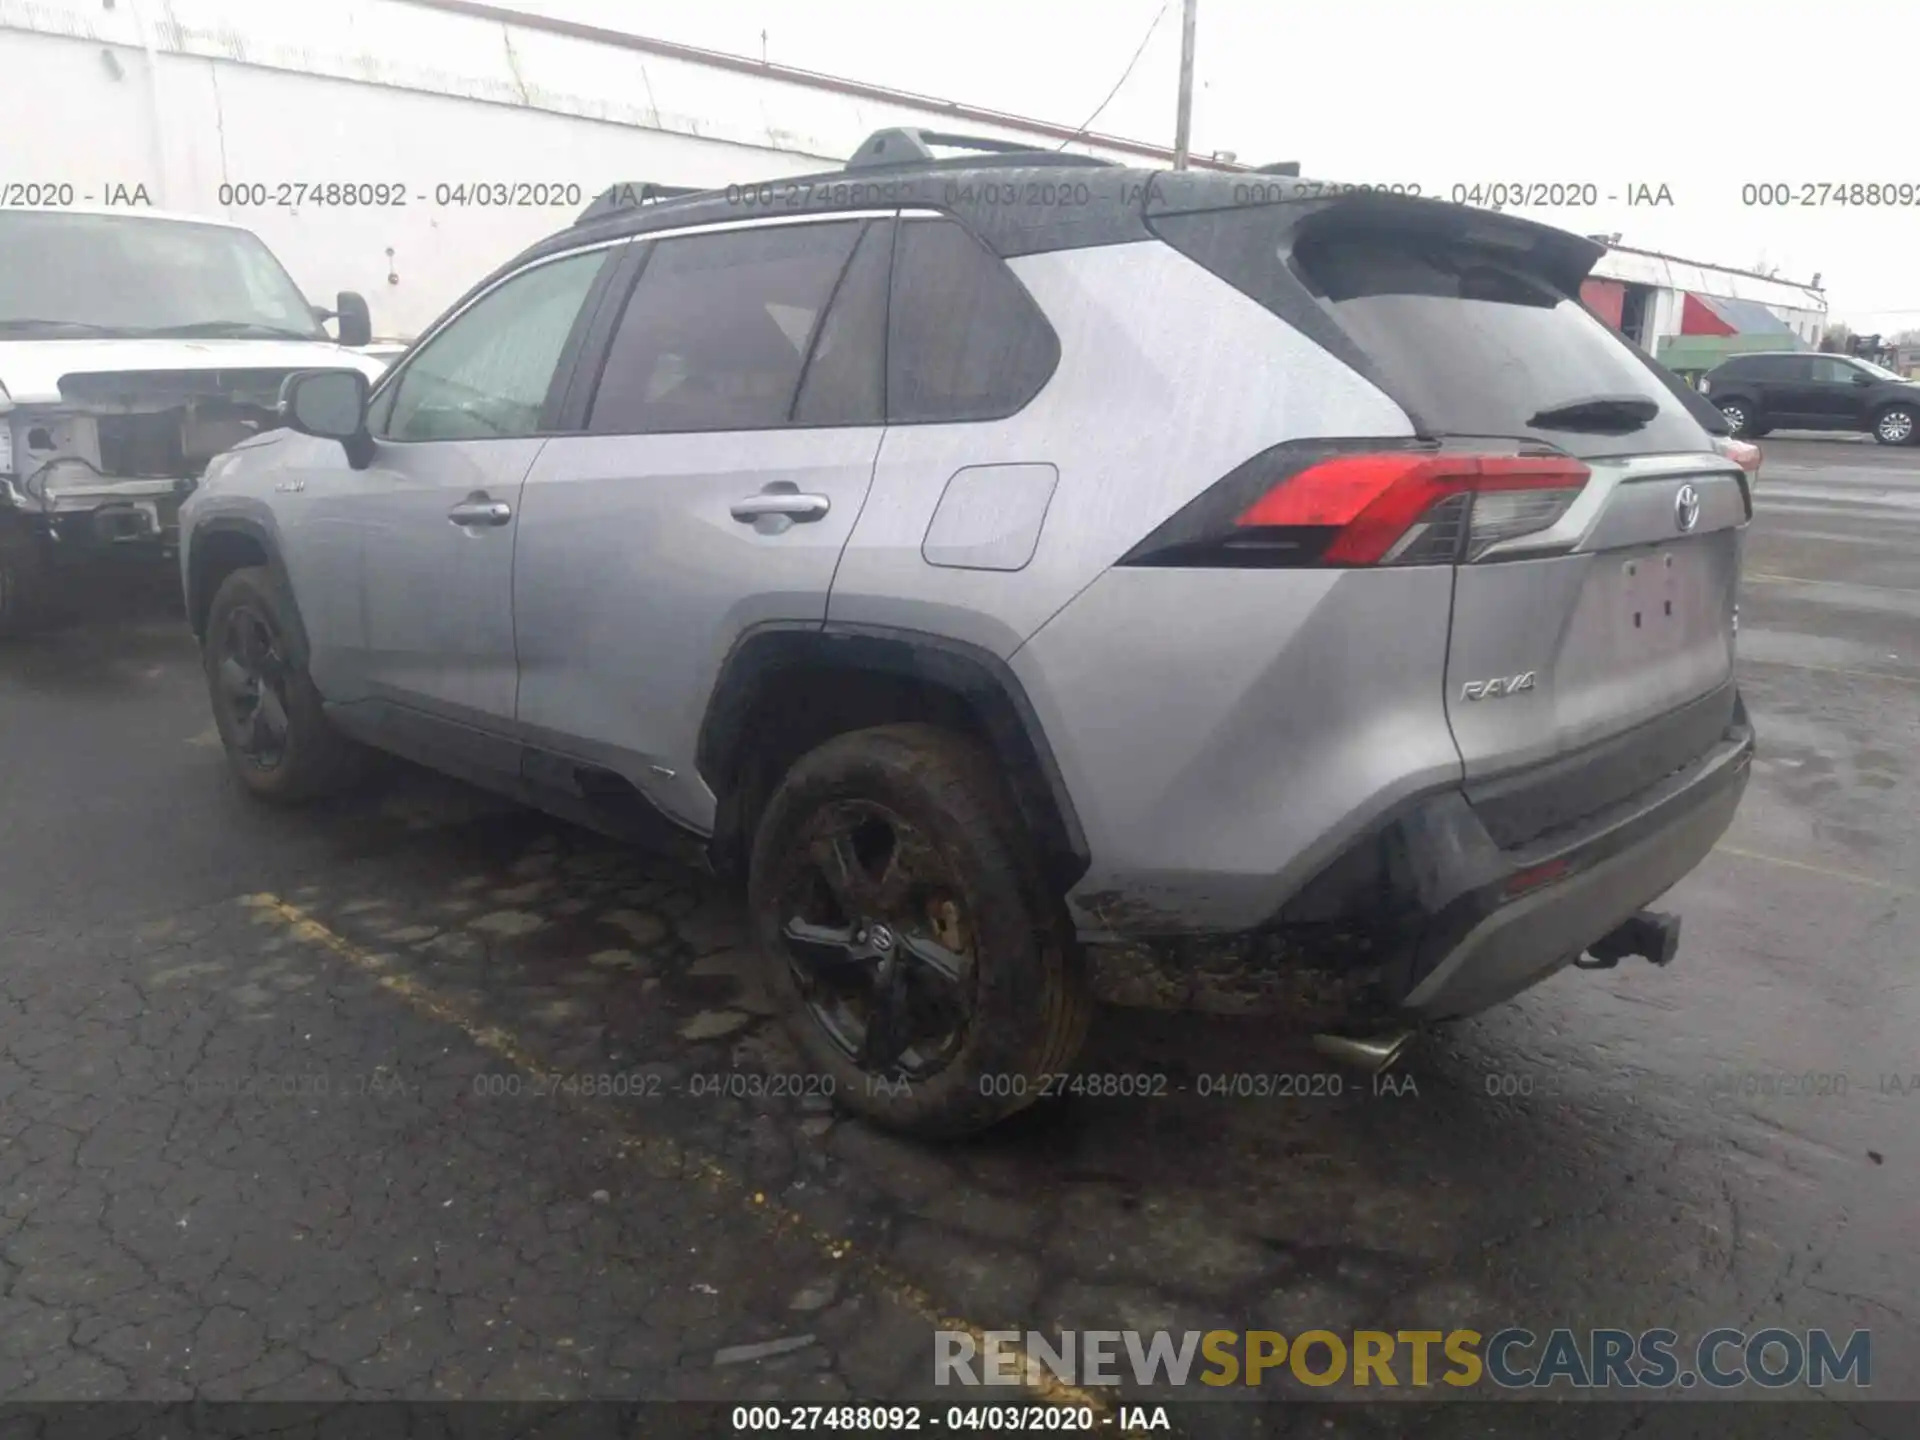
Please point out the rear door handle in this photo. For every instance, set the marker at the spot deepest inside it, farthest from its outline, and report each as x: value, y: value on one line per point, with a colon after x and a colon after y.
x: 478, y: 510
x: 789, y: 503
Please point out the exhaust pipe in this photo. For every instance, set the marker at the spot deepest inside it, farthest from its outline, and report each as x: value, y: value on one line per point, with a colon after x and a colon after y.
x: 1370, y: 1053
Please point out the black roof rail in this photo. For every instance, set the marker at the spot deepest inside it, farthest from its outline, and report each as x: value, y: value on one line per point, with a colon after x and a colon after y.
x: 631, y: 194
x: 910, y: 146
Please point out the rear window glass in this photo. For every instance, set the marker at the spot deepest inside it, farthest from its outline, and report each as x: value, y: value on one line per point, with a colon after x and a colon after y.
x: 1477, y: 347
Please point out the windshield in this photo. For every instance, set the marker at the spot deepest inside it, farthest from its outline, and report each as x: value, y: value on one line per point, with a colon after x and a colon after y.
x: 1880, y: 370
x: 64, y: 274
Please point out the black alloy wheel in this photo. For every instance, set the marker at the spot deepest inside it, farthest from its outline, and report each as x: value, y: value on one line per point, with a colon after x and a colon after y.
x: 878, y: 940
x: 922, y: 966
x: 252, y: 673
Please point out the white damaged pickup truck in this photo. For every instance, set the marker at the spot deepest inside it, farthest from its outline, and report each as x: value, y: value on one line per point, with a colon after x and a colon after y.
x: 134, y: 347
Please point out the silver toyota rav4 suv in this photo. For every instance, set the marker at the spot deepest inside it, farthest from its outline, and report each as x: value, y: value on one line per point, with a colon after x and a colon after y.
x: 1036, y: 581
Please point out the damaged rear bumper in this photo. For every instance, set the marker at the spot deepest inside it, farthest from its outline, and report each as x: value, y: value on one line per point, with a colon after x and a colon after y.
x: 1449, y: 922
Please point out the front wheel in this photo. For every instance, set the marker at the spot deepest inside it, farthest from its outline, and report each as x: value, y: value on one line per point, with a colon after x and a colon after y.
x: 1894, y: 425
x: 920, y: 962
x: 277, y: 737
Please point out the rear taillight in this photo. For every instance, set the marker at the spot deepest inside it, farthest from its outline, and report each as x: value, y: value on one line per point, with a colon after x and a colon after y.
x: 1743, y: 454
x: 1315, y: 506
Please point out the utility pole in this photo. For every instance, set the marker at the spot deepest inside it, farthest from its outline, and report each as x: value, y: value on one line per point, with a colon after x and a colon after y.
x: 1183, y: 125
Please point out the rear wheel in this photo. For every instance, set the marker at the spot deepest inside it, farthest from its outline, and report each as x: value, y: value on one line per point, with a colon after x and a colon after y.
x: 1739, y: 417
x: 920, y: 963
x: 1895, y: 425
x: 277, y: 737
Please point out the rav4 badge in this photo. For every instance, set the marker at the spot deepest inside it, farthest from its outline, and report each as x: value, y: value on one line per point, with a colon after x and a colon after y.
x: 1496, y: 689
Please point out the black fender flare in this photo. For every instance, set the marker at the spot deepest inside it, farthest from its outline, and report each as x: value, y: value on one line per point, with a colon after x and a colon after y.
x: 253, y: 530
x: 978, y: 678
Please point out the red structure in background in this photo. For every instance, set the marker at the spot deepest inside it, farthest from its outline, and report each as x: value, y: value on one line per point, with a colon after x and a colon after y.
x: 1699, y: 318
x: 1606, y: 298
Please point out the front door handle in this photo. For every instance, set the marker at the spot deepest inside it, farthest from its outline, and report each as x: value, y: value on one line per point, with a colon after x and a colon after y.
x: 792, y: 504
x: 478, y: 510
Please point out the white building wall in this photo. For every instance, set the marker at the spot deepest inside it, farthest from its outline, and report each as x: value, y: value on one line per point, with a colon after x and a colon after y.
x: 1802, y: 308
x: 183, y: 96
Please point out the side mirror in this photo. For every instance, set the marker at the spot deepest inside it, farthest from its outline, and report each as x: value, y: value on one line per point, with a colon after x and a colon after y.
x: 356, y: 324
x: 329, y: 405
x: 1860, y: 379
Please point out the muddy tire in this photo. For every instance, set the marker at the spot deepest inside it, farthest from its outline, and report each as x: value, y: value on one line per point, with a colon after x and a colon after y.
x: 22, y: 581
x: 277, y: 737
x: 917, y: 958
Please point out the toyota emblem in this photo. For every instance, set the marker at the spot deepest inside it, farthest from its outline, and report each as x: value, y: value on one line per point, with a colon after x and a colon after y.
x: 1686, y: 508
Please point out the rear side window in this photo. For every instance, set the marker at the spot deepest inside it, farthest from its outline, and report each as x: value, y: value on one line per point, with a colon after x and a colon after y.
x: 964, y: 341
x: 845, y: 382
x: 716, y: 332
x: 1476, y: 346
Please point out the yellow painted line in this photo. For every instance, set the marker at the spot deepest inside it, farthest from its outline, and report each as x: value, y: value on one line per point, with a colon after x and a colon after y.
x: 777, y: 1218
x: 1765, y: 578
x: 1820, y: 870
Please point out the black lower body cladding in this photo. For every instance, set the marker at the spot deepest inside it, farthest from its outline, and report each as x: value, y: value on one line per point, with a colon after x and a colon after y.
x: 1430, y: 916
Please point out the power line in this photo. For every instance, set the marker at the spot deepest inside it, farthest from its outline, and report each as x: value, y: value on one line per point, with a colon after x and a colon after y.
x: 1087, y: 124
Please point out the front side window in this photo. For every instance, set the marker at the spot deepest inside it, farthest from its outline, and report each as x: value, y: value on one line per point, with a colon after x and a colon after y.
x: 1834, y: 372
x: 717, y: 330
x: 486, y: 375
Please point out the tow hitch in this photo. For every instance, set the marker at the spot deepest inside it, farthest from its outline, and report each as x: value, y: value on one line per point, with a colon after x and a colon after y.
x: 1652, y: 935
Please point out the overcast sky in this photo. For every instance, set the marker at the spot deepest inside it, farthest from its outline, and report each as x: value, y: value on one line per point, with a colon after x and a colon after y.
x: 1700, y: 95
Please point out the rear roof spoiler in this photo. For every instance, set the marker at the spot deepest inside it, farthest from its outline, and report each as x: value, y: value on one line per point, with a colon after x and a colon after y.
x: 1291, y: 213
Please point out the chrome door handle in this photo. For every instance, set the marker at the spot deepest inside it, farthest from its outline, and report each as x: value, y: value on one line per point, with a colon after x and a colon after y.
x: 481, y: 512
x: 789, y: 503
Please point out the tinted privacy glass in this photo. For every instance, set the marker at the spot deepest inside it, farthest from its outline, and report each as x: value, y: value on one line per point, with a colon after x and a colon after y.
x: 845, y: 379
x: 486, y: 375
x: 965, y: 341
x: 1477, y: 347
x: 716, y: 331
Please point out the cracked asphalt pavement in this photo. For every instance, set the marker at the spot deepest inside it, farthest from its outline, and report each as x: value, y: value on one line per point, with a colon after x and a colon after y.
x: 420, y: 1096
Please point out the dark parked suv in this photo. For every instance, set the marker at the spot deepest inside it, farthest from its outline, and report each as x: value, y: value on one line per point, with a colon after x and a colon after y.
x: 1789, y: 391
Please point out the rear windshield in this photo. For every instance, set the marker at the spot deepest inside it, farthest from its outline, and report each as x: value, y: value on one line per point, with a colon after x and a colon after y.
x: 1476, y: 346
